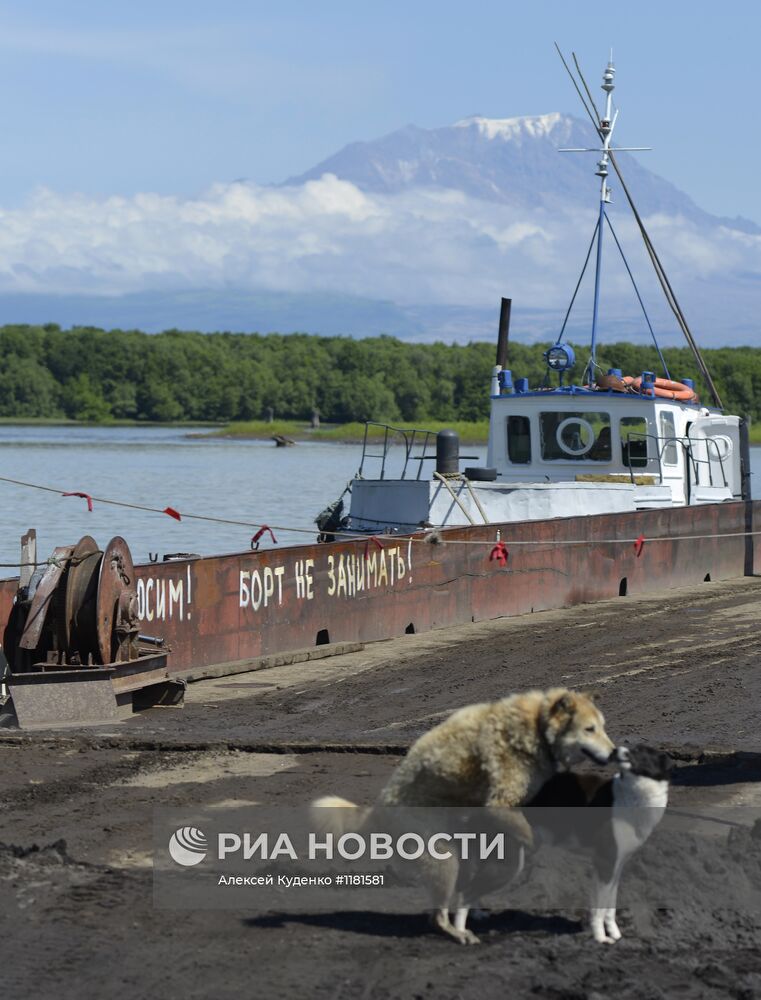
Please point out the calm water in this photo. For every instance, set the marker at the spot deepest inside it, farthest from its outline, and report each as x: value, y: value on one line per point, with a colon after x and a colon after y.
x: 251, y: 481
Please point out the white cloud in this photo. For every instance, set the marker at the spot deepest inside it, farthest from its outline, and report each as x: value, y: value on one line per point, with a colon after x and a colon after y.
x: 418, y: 247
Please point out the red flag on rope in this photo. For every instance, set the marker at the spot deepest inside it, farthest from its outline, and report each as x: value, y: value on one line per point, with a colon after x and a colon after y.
x: 367, y: 544
x: 84, y: 496
x: 255, y: 538
x: 499, y: 553
x: 172, y: 513
x: 638, y: 544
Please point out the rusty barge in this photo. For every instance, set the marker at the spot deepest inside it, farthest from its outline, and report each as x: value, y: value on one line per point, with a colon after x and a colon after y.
x: 233, y: 610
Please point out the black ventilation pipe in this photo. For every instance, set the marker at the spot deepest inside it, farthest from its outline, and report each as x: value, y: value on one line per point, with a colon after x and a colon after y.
x: 504, y: 332
x: 447, y: 453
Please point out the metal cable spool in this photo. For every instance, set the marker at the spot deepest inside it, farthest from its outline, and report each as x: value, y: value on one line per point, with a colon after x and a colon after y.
x: 75, y: 643
x: 96, y: 610
x: 77, y: 631
x: 116, y: 604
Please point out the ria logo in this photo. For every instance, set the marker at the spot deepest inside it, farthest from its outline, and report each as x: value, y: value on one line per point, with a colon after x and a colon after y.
x: 187, y: 846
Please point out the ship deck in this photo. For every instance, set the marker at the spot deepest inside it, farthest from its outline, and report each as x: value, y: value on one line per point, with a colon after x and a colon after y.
x: 681, y: 669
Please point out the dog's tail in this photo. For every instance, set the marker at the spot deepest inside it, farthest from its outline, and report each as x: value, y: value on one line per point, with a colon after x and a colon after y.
x: 332, y: 814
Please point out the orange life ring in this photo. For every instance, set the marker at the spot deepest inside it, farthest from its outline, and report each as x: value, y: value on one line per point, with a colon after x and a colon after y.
x: 666, y: 388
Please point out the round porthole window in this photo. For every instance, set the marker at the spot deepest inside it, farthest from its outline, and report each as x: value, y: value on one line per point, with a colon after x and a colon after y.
x: 575, y: 436
x: 722, y: 446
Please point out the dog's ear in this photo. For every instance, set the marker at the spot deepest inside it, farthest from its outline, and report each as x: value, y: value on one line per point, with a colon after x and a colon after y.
x: 563, y: 704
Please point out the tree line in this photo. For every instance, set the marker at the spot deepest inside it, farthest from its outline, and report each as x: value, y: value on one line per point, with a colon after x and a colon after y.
x: 98, y: 375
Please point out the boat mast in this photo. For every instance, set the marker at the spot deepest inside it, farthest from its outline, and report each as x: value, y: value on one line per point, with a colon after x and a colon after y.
x: 668, y: 291
x: 606, y: 126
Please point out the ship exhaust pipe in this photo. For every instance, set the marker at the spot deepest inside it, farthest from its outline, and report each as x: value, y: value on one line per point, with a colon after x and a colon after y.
x: 447, y: 453
x: 504, y: 332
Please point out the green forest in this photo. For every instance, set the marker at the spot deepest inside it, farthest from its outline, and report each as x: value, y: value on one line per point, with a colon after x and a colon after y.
x: 95, y: 375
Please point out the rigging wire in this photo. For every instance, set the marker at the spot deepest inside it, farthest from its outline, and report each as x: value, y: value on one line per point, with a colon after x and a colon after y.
x: 578, y: 283
x: 636, y: 292
x: 589, y: 93
x: 573, y: 81
x: 668, y: 291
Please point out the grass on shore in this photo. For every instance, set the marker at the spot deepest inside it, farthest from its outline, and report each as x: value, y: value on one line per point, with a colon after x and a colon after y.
x: 471, y: 432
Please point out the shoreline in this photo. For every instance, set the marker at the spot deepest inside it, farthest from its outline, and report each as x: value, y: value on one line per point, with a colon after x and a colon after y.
x: 473, y: 433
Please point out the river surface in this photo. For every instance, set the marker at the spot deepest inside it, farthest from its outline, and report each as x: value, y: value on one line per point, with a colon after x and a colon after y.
x: 247, y: 481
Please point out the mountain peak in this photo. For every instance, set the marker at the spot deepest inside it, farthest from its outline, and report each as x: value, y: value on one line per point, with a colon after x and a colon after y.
x: 533, y: 126
x: 488, y: 158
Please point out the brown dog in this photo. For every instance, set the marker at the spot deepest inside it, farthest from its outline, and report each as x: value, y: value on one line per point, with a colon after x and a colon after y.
x: 491, y: 754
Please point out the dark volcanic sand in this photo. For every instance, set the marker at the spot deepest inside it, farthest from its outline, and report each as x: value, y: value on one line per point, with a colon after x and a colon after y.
x: 77, y: 921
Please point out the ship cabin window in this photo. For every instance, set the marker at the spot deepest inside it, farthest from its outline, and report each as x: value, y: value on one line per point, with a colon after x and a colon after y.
x: 670, y: 451
x: 519, y: 440
x: 580, y: 437
x: 633, y: 441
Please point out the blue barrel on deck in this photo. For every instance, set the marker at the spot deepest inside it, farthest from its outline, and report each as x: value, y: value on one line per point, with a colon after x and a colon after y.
x: 505, y: 379
x: 689, y: 382
x: 648, y: 383
x: 521, y: 385
x: 616, y: 371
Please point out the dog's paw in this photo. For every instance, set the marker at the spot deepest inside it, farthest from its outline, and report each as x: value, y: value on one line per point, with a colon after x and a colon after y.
x: 605, y: 939
x: 468, y: 937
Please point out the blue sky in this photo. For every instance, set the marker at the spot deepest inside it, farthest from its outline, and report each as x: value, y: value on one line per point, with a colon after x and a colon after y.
x: 169, y: 96
x: 124, y: 129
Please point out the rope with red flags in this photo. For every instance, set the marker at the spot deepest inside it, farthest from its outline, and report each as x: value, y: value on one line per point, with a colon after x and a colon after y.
x: 499, y: 554
x: 84, y: 496
x: 255, y: 538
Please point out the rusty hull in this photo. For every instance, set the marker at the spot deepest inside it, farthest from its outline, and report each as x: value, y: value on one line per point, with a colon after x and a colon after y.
x: 233, y: 607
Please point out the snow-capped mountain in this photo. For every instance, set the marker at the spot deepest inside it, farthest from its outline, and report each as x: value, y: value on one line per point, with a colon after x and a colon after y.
x: 514, y: 161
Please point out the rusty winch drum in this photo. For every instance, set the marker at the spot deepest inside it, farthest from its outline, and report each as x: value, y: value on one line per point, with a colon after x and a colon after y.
x: 73, y: 644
